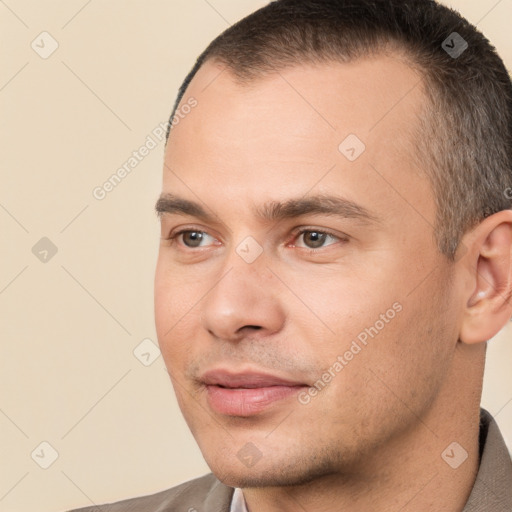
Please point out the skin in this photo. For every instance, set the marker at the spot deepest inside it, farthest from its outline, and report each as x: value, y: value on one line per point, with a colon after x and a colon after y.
x: 372, y: 438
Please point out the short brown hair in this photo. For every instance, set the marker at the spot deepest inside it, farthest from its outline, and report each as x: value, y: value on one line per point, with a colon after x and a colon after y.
x: 466, y: 133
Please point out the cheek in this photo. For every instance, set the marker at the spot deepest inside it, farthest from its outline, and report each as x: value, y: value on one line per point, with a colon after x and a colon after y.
x: 163, y: 298
x: 394, y: 372
x: 409, y: 357
x: 319, y: 293
x: 175, y: 315
x: 344, y: 306
x: 176, y: 295
x: 365, y: 316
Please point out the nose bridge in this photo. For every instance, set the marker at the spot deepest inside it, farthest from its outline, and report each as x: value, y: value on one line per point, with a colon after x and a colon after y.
x: 242, y: 278
x: 243, y: 295
x: 246, y: 264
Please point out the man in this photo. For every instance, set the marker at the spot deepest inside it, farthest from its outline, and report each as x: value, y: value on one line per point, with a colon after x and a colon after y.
x: 336, y: 251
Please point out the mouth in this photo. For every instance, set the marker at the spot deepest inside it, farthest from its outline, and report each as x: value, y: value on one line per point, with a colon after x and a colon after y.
x: 246, y: 394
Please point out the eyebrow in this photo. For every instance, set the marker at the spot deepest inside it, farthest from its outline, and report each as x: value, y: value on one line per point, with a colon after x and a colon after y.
x: 273, y: 211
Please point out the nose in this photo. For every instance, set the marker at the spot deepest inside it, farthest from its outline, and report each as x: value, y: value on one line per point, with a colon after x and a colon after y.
x: 244, y: 302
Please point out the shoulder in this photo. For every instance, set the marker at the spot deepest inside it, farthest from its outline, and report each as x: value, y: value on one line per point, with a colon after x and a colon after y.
x: 202, y: 494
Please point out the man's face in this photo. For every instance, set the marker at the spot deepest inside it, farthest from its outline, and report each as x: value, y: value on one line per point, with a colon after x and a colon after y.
x: 295, y: 355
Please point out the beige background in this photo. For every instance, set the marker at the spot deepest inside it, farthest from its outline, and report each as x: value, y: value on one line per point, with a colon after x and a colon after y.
x: 69, y: 326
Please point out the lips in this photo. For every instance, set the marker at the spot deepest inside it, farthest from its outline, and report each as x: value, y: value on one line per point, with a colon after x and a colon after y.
x: 246, y: 394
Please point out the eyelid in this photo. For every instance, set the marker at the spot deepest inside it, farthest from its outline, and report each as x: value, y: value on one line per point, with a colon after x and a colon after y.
x: 185, y: 228
x: 298, y: 231
x: 305, y: 229
x: 174, y: 234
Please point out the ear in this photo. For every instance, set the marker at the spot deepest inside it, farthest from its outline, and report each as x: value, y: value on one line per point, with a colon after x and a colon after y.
x: 488, y: 262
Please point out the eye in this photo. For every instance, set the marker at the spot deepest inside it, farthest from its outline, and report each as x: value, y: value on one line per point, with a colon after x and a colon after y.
x: 315, y: 239
x: 191, y: 238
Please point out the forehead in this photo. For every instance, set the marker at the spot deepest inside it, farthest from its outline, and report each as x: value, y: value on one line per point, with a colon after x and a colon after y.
x: 313, y: 96
x: 280, y: 135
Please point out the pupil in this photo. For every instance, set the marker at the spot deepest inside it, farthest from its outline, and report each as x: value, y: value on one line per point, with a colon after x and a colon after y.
x: 195, y: 237
x: 317, y: 239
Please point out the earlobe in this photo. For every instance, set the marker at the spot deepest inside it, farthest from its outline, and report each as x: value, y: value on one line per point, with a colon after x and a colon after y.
x: 488, y: 305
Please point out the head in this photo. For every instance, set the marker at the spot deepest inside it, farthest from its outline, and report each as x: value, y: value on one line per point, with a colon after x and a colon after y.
x: 335, y: 230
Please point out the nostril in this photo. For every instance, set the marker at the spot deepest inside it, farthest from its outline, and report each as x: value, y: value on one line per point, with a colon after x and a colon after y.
x: 242, y: 329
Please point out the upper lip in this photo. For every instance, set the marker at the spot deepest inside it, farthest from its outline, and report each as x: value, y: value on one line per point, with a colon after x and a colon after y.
x: 228, y: 379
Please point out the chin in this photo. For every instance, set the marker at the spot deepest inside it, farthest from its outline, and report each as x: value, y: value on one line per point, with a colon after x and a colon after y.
x: 270, y: 473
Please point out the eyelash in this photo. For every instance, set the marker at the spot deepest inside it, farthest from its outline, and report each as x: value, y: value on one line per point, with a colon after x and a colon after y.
x: 172, y: 238
x: 301, y: 231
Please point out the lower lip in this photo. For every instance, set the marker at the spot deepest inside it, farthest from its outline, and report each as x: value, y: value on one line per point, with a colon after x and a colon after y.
x: 247, y: 401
